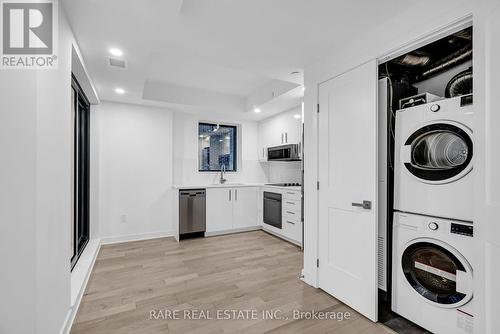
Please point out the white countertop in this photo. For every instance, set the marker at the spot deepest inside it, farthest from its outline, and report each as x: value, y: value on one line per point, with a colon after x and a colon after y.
x: 231, y: 185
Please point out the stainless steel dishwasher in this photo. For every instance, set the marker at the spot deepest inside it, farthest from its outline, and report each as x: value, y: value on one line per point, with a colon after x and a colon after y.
x: 192, y: 213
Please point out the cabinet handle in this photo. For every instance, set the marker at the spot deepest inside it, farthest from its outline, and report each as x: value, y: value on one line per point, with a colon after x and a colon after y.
x: 290, y: 212
x: 229, y: 194
x: 286, y: 137
x: 290, y: 203
x: 289, y: 222
x: 235, y: 194
x: 282, y: 138
x: 290, y: 193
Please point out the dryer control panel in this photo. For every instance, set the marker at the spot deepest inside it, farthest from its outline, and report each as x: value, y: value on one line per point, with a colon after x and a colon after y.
x: 466, y: 230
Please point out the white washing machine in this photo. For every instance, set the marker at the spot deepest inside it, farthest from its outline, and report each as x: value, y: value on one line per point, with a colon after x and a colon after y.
x: 433, y: 159
x: 432, y: 273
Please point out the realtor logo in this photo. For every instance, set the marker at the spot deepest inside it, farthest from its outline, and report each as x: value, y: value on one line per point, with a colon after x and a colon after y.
x: 28, y: 34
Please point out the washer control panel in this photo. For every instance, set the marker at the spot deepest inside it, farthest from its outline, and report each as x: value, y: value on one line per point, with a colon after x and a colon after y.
x: 466, y: 230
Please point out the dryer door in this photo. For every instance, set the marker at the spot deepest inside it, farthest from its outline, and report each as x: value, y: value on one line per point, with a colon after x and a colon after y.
x: 438, y: 153
x: 437, y: 272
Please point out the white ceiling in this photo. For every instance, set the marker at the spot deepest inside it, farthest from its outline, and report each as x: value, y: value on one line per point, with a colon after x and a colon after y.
x: 227, y: 47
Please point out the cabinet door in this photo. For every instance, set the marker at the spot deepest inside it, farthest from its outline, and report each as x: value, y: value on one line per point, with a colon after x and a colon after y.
x: 276, y: 131
x: 219, y: 204
x: 263, y: 134
x: 292, y: 127
x: 245, y: 207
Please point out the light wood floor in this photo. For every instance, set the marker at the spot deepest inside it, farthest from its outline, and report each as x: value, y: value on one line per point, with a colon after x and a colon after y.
x: 246, y: 271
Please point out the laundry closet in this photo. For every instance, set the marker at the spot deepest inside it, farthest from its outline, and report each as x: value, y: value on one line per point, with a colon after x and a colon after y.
x: 425, y: 174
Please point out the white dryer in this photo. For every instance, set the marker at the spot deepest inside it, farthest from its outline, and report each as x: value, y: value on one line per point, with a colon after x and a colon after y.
x: 432, y: 273
x: 433, y: 159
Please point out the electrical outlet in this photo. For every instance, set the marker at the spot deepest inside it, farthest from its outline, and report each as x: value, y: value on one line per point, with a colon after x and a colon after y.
x: 123, y: 218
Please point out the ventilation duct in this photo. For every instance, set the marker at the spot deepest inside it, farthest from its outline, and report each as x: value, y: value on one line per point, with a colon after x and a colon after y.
x: 454, y: 59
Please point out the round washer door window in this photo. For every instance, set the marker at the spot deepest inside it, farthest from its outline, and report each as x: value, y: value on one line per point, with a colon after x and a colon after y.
x: 433, y: 271
x: 439, y: 153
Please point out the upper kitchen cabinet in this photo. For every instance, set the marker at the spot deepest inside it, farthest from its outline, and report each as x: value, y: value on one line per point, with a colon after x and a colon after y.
x: 281, y: 129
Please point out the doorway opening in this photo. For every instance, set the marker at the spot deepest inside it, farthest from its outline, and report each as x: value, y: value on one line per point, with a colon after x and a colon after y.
x: 437, y: 71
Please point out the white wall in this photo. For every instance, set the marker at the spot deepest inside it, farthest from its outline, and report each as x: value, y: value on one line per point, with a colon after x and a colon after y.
x: 35, y: 195
x: 134, y: 170
x: 185, y: 134
x: 17, y: 201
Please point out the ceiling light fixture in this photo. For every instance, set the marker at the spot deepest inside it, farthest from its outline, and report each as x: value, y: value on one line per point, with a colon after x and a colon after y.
x: 297, y: 116
x: 119, y: 91
x: 116, y: 52
x: 257, y: 110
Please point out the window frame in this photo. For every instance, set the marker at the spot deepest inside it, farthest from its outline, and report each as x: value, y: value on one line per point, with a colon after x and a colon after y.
x: 234, y: 144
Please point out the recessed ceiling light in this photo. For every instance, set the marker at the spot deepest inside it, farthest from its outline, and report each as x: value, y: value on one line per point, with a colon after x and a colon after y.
x: 297, y: 116
x: 119, y: 91
x: 116, y: 52
x: 257, y: 110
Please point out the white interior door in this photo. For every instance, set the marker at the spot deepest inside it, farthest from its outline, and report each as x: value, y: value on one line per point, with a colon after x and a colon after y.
x: 348, y: 176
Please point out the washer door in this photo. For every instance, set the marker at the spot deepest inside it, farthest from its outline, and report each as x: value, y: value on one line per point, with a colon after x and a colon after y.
x: 438, y: 153
x: 437, y: 272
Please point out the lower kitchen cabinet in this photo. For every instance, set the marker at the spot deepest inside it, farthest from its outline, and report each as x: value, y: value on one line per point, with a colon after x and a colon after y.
x: 291, y: 214
x: 231, y: 209
x: 219, y: 209
x: 245, y: 207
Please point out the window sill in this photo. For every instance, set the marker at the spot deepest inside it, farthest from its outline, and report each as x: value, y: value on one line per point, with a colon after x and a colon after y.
x: 83, y: 268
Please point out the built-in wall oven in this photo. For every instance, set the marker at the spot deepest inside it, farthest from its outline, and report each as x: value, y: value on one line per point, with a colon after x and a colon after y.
x: 272, y: 209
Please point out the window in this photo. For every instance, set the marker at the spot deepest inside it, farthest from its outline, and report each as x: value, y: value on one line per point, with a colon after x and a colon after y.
x: 80, y: 228
x: 216, y: 147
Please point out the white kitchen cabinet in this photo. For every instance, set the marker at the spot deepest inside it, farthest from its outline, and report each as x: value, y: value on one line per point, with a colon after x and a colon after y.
x: 291, y: 213
x: 279, y: 130
x: 245, y: 207
x: 219, y: 209
x: 231, y: 209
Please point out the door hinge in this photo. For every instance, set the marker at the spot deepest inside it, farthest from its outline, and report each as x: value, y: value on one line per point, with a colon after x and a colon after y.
x: 317, y: 185
x: 318, y: 108
x: 317, y: 263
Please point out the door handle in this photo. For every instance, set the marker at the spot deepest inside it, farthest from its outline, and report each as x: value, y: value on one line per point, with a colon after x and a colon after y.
x: 230, y: 194
x: 235, y: 194
x: 365, y: 205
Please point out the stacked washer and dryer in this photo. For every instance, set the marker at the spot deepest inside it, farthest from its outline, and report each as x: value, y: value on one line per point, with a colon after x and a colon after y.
x: 432, y: 226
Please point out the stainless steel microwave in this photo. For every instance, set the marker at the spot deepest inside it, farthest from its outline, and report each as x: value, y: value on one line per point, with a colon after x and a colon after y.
x: 289, y: 152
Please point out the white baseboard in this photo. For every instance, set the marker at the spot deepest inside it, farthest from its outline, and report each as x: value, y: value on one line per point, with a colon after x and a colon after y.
x: 308, y: 279
x: 136, y: 237
x: 281, y: 236
x: 231, y: 231
x: 79, y: 279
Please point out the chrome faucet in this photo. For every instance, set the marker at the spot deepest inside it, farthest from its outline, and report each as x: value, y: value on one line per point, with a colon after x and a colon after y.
x: 222, y: 171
